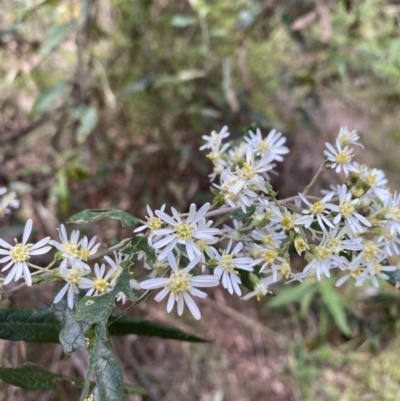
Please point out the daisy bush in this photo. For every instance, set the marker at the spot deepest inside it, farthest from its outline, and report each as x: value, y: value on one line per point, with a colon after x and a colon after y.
x: 244, y: 239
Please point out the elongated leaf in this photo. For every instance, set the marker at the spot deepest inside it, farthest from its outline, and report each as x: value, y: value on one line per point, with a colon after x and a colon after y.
x: 292, y: 294
x: 109, y: 384
x: 72, y: 332
x: 138, y: 244
x: 124, y: 325
x: 33, y: 377
x: 29, y: 325
x: 98, y: 309
x: 54, y: 38
x: 91, y: 215
x: 48, y: 100
x: 334, y: 304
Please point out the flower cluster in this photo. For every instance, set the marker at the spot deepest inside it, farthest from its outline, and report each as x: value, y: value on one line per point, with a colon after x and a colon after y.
x: 7, y: 200
x: 353, y: 228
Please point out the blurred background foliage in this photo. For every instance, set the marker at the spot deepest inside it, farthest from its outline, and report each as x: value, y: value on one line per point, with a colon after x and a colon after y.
x: 104, y: 102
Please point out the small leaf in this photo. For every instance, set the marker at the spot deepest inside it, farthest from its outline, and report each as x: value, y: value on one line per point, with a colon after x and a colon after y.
x: 292, y: 294
x: 87, y: 122
x: 182, y: 21
x: 394, y: 277
x: 124, y: 325
x: 91, y: 215
x: 238, y: 214
x: 50, y: 99
x: 333, y: 302
x: 56, y: 35
x: 72, y: 333
x: 99, y: 308
x: 33, y: 377
x: 29, y: 325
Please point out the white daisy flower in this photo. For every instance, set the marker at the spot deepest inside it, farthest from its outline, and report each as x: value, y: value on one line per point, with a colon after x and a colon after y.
x: 215, y: 139
x: 261, y: 288
x: 340, y: 157
x: 185, y: 232
x: 273, y: 143
x: 17, y: 256
x: 228, y: 262
x: 69, y: 247
x: 270, y: 235
x: 346, y: 211
x: 180, y: 286
x: 318, y: 210
x: 347, y: 137
x: 74, y: 278
x: 101, y: 284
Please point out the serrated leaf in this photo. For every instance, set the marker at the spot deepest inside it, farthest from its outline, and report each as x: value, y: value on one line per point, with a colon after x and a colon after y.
x: 333, y: 302
x: 292, y: 294
x: 98, y: 309
x: 124, y: 325
x: 72, y: 332
x: 91, y: 215
x: 33, y: 377
x: 29, y: 325
x: 54, y: 37
x: 109, y: 384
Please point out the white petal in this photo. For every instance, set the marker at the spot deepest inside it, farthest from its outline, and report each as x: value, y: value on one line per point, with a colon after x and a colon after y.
x: 171, y: 302
x: 192, y: 306
x: 60, y: 295
x: 27, y: 231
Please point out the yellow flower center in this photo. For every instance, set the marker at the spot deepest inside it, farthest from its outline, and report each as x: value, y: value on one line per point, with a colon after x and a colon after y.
x: 287, y: 222
x: 267, y: 240
x: 285, y: 270
x: 247, y: 172
x: 84, y: 254
x: 269, y: 255
x: 154, y: 223
x: 179, y: 282
x: 370, y: 251
x: 100, y: 285
x: 19, y: 253
x: 213, y: 156
x: 346, y: 208
x: 227, y: 263
x: 357, y: 192
x: 395, y: 211
x: 158, y: 267
x: 70, y: 249
x: 73, y: 277
x: 355, y: 273
x: 184, y: 231
x: 317, y: 208
x: 370, y: 178
x: 263, y: 146
x: 333, y: 243
x: 201, y: 245
x: 300, y: 244
x: 321, y: 252
x: 344, y: 157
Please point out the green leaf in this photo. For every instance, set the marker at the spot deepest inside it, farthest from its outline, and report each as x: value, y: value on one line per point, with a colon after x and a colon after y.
x: 49, y: 99
x: 98, y: 309
x: 91, y: 215
x: 56, y: 35
x: 72, y: 333
x: 33, y: 377
x: 109, y: 384
x: 87, y: 122
x: 29, y: 325
x: 292, y: 294
x: 238, y: 214
x: 333, y: 302
x: 138, y: 244
x: 182, y: 21
x: 394, y: 277
x: 124, y: 325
